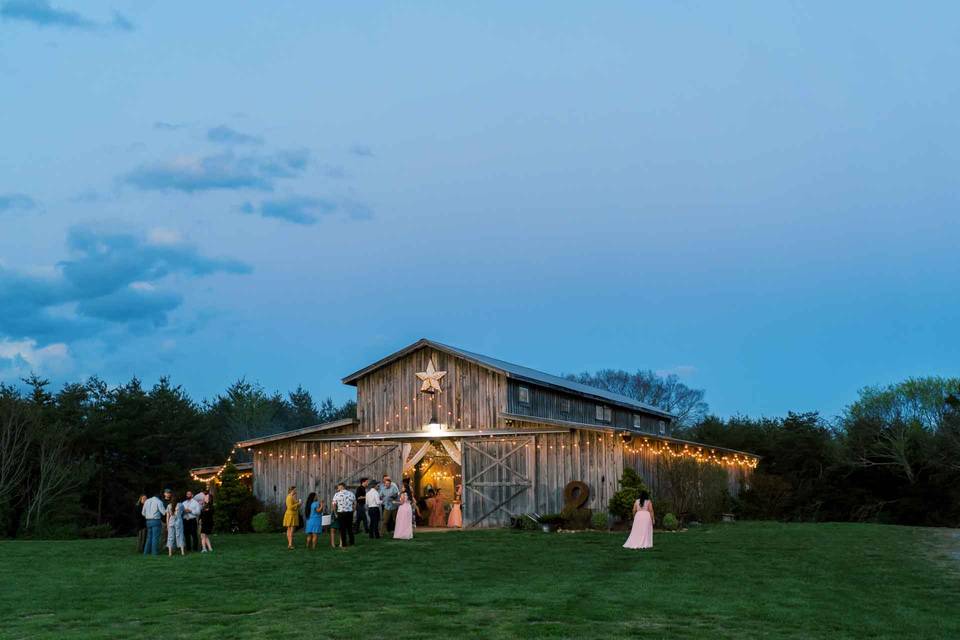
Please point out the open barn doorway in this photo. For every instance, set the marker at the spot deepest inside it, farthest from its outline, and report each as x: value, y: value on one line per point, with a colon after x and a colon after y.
x: 435, y: 476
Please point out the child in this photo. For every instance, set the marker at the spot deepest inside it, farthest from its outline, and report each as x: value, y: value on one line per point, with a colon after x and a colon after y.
x: 175, y: 527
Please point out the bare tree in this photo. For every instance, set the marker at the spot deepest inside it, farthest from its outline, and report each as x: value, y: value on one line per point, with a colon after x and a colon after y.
x: 664, y: 392
x: 15, y: 421
x: 58, y: 473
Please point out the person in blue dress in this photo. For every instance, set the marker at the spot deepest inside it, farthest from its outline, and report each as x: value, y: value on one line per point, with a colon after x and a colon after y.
x: 314, y: 525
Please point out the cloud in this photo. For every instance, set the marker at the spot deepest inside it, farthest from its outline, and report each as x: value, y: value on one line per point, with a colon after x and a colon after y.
x: 681, y: 370
x: 16, y: 201
x: 225, y: 135
x: 43, y: 14
x: 306, y: 210
x: 19, y: 358
x: 362, y: 150
x: 112, y: 278
x: 220, y: 171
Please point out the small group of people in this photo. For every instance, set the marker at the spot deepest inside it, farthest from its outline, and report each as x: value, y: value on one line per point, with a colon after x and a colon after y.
x: 188, y: 523
x: 379, y: 510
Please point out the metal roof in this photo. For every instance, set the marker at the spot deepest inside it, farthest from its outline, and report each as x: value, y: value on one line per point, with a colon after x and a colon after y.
x: 517, y: 372
x: 254, y: 442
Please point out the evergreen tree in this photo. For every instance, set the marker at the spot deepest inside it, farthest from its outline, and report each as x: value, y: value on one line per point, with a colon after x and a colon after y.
x: 232, y: 502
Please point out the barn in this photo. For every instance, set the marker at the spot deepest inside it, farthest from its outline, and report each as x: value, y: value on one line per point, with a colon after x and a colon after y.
x: 512, y: 436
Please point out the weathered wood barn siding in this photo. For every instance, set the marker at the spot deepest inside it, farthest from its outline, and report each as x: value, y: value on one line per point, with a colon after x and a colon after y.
x: 650, y: 467
x: 389, y: 398
x: 318, y: 466
x: 557, y: 405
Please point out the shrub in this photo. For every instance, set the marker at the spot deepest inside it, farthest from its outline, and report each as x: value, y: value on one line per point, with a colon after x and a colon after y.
x: 261, y: 523
x: 670, y: 522
x: 551, y: 518
x: 574, y: 518
x: 234, y: 504
x: 621, y: 502
x: 600, y: 520
x: 528, y: 524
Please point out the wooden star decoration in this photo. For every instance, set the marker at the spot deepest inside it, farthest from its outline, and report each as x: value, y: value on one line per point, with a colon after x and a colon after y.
x: 430, y: 378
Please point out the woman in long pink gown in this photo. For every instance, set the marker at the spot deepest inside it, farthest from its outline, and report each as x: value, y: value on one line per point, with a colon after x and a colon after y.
x: 455, y: 520
x: 641, y: 534
x: 438, y: 518
x: 403, y: 530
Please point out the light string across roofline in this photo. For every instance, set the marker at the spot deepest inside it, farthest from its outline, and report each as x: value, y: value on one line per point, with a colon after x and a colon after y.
x: 215, y: 478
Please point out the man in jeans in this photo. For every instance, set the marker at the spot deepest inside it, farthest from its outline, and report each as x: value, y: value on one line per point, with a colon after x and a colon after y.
x: 153, y: 511
x: 390, y: 497
x: 344, y: 501
x: 361, y: 507
x: 191, y: 511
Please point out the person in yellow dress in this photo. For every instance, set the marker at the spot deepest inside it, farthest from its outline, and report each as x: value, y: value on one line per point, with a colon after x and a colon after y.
x: 292, y: 516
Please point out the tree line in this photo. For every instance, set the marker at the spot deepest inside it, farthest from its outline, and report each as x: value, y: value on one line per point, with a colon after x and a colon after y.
x: 892, y: 456
x: 73, y: 462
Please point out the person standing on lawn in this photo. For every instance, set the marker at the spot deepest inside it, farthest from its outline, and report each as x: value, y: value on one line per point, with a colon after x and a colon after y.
x: 373, y: 511
x: 389, y: 497
x: 361, y: 506
x: 291, y: 518
x: 641, y: 534
x: 175, y: 527
x: 314, y: 526
x: 191, y: 511
x: 404, y: 527
x: 206, y: 526
x: 141, y: 524
x: 345, y: 502
x: 154, y: 512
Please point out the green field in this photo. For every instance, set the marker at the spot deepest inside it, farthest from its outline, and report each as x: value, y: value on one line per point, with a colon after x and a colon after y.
x: 760, y: 580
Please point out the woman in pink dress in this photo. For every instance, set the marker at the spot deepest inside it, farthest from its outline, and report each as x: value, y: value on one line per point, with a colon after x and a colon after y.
x: 641, y: 535
x: 455, y: 520
x: 403, y: 530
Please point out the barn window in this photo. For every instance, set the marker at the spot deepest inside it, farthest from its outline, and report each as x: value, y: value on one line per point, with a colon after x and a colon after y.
x: 524, y: 395
x: 663, y: 428
x: 637, y: 423
x: 564, y: 405
x: 604, y: 414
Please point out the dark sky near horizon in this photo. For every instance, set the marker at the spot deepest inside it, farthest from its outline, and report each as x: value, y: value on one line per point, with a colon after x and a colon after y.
x: 759, y: 197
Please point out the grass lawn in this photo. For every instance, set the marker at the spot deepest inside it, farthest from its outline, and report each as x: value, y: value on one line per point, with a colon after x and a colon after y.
x: 756, y: 580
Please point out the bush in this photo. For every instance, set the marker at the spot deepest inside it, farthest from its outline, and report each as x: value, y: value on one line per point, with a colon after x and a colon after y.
x: 600, y: 520
x: 234, y: 504
x: 574, y: 518
x: 551, y: 518
x: 261, y: 523
x: 528, y: 523
x: 670, y: 522
x: 621, y: 503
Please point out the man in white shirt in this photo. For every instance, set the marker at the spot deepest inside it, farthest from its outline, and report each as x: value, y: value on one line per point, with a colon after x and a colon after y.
x: 153, y: 511
x: 344, y: 501
x: 191, y: 510
x: 373, y: 511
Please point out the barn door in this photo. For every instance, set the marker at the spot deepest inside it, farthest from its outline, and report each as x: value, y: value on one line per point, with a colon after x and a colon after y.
x: 368, y: 461
x: 498, y: 480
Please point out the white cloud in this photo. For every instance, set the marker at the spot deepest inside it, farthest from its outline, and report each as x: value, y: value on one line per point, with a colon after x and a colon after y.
x: 681, y: 371
x: 21, y: 357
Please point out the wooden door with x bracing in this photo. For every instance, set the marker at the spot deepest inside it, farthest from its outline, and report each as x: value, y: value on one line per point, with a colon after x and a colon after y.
x: 498, y: 480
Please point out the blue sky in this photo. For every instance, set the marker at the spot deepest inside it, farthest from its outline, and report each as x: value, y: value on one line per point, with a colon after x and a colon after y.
x: 760, y: 197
